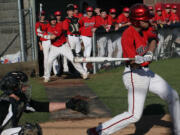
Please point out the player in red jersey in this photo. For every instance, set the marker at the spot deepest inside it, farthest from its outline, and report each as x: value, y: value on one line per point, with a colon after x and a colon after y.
x: 59, y: 46
x: 158, y: 18
x: 138, y: 42
x: 174, y: 17
x: 167, y: 14
x: 76, y: 12
x: 44, y: 44
x: 151, y: 10
x: 58, y: 16
x: 123, y: 19
x: 86, y: 25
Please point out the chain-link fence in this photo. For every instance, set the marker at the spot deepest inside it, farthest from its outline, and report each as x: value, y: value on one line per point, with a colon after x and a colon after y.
x: 14, y: 28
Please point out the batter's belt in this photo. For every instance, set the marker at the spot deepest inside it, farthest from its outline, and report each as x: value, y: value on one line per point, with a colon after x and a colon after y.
x: 135, y: 66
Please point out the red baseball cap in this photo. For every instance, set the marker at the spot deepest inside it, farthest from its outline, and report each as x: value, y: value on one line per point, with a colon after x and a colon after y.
x: 57, y: 13
x: 89, y: 9
x: 75, y: 6
x: 174, y: 7
x: 159, y: 9
x: 126, y: 9
x: 112, y: 10
x: 150, y: 7
x: 167, y: 6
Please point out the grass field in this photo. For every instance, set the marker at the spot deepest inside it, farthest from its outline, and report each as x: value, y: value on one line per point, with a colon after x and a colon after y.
x: 109, y: 87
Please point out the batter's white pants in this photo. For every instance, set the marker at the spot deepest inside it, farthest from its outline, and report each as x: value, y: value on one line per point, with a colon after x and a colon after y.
x: 11, y: 131
x: 66, y: 51
x: 87, y: 41
x: 75, y: 43
x: 138, y: 82
x: 46, y: 49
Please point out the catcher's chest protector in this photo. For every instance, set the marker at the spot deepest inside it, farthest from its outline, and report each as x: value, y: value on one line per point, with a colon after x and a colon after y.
x: 16, y: 109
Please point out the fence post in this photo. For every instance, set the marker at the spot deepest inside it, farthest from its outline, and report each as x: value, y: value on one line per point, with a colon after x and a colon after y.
x: 31, y: 34
x: 94, y: 52
x: 21, y: 32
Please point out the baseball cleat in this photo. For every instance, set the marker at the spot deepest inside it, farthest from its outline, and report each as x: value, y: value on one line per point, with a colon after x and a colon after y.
x: 46, y: 80
x: 92, y: 131
x: 85, y: 76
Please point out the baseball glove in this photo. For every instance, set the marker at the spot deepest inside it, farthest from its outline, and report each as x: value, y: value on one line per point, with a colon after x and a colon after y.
x: 78, y: 103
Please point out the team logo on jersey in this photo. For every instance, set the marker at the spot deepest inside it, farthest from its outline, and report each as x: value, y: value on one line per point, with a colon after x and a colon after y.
x: 142, y: 50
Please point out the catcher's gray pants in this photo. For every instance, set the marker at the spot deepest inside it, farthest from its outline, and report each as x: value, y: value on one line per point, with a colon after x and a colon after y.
x: 11, y: 131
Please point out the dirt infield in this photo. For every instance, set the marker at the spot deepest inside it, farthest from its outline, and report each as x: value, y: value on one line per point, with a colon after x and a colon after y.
x: 79, y: 127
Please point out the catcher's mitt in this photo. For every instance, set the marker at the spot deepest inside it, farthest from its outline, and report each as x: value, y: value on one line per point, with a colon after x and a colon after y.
x: 31, y: 129
x: 78, y: 103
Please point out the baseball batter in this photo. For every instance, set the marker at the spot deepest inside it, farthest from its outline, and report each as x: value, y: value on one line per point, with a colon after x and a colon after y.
x: 86, y: 25
x: 60, y: 47
x: 139, y: 41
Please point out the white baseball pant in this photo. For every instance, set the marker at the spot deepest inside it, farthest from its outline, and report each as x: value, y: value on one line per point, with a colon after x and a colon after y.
x: 11, y: 131
x: 75, y: 43
x: 87, y: 41
x: 137, y: 82
x: 66, y: 51
x: 46, y: 49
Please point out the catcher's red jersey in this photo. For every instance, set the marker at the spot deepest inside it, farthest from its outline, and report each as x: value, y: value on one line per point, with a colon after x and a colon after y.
x: 58, y: 31
x: 135, y: 43
x: 43, y: 27
x: 122, y: 19
x: 86, y: 25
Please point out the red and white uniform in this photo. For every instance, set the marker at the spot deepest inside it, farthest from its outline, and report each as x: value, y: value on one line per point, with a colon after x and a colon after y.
x: 103, y: 22
x: 138, y: 82
x: 122, y: 19
x: 174, y: 17
x: 60, y: 47
x: 158, y: 18
x: 86, y: 26
x: 79, y: 15
x: 166, y: 16
x: 43, y: 27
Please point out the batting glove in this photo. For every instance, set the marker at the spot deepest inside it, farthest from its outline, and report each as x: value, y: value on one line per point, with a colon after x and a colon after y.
x: 139, y: 59
x: 148, y: 56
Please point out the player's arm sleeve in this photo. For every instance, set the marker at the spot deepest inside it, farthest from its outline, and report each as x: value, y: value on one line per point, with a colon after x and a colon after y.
x: 128, y: 46
x: 65, y: 27
x: 36, y: 106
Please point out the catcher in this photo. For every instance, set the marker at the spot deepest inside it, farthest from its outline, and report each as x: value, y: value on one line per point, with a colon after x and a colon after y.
x: 16, y: 99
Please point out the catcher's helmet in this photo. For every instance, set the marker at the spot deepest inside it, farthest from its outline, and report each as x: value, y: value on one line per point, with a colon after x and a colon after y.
x: 12, y: 82
x: 139, y: 12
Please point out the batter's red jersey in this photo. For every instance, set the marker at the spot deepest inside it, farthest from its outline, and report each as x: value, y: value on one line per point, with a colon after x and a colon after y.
x: 79, y: 15
x: 43, y: 27
x: 58, y: 32
x: 134, y: 43
x: 122, y: 19
x: 158, y: 18
x: 66, y: 23
x: 174, y: 17
x: 166, y: 16
x: 102, y: 21
x: 86, y: 25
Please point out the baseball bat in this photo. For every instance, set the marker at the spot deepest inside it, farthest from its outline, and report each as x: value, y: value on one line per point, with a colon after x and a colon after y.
x: 99, y: 59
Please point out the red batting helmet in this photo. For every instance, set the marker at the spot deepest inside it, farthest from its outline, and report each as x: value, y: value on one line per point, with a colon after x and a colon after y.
x: 57, y: 13
x: 167, y: 6
x: 112, y: 10
x: 139, y: 12
x: 174, y: 7
x: 126, y: 9
x: 75, y: 6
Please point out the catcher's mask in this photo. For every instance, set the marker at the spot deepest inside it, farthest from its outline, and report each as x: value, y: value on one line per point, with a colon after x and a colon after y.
x: 15, y: 82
